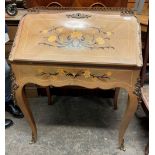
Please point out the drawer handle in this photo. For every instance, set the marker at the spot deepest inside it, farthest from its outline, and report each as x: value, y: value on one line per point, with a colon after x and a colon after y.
x: 97, y: 3
x: 54, y: 4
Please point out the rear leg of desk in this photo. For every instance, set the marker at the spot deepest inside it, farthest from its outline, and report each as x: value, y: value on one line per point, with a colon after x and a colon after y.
x: 115, y: 102
x: 49, y: 95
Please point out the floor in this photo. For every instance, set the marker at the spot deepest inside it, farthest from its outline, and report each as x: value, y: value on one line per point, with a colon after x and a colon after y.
x: 84, y: 125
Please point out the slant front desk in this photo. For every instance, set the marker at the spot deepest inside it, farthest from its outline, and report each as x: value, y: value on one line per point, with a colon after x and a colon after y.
x: 86, y: 48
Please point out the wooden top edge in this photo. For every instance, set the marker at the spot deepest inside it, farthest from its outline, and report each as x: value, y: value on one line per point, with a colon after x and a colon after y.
x: 75, y: 64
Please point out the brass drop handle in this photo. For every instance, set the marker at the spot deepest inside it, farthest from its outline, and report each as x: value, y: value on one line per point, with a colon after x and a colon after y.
x: 54, y: 3
x: 97, y: 3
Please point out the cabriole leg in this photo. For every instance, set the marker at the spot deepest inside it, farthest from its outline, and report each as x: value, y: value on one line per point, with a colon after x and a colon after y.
x: 129, y: 112
x: 22, y: 102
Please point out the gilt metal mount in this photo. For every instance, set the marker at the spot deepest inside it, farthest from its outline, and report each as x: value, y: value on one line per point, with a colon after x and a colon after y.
x: 78, y: 15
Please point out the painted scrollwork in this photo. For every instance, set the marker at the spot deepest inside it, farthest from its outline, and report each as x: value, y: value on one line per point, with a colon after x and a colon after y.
x: 63, y: 37
x: 82, y: 73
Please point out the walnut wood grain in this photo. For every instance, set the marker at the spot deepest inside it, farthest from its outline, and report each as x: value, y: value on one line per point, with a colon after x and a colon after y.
x: 76, y: 3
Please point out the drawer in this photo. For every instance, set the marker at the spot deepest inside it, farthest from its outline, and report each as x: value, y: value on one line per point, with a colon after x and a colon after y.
x: 71, y: 75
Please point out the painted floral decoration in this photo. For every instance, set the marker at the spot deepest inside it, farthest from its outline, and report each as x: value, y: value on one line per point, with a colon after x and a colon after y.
x: 62, y: 37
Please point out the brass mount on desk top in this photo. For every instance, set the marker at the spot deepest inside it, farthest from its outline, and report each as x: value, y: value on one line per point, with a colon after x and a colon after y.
x: 123, y: 11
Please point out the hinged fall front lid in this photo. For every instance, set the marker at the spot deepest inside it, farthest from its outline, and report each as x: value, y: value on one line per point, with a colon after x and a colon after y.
x: 78, y: 37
